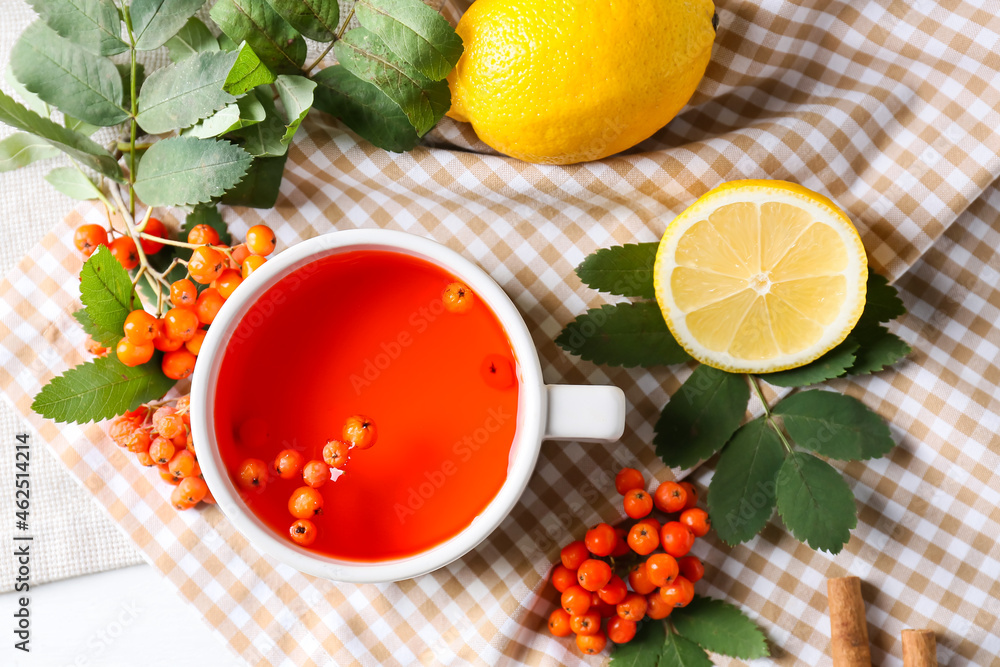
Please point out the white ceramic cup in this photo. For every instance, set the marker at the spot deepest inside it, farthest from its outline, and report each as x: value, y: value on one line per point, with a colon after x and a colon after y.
x: 561, y: 412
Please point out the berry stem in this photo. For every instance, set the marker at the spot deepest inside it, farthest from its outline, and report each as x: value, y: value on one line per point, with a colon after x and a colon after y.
x: 182, y: 244
x: 768, y: 417
x: 156, y: 280
x: 134, y: 110
x: 340, y: 33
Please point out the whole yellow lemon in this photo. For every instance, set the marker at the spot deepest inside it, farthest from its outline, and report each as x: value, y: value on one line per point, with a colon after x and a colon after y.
x: 566, y: 81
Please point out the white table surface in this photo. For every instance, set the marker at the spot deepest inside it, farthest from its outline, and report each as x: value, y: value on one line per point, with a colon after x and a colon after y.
x: 122, y: 618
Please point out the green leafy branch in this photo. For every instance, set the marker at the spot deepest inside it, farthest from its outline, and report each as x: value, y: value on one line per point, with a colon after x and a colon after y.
x: 762, y: 465
x: 221, y: 116
x: 684, y: 639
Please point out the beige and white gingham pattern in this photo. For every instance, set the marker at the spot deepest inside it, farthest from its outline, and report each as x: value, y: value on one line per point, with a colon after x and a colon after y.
x: 887, y: 107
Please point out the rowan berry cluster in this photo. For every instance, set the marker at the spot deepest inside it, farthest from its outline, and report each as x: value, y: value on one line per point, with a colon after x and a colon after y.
x: 185, y: 310
x: 626, y: 574
x: 161, y: 437
x: 306, y: 502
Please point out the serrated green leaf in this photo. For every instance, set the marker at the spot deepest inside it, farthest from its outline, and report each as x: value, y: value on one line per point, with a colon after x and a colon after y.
x: 626, y: 334
x: 414, y: 32
x: 88, y: 325
x: 245, y: 112
x: 264, y: 139
x: 93, y: 24
x: 67, y: 76
x: 644, y: 649
x: 77, y: 146
x: 701, y: 416
x: 277, y: 44
x: 107, y: 295
x: 296, y: 93
x: 882, y: 302
x: 720, y: 628
x: 366, y: 56
x: 21, y: 149
x: 831, y: 365
x: 77, y: 125
x: 879, y: 350
x: 73, y: 183
x: 741, y: 495
x: 815, y: 502
x: 261, y: 186
x: 364, y: 108
x: 625, y: 270
x: 834, y: 425
x: 681, y: 652
x: 247, y: 72
x: 193, y: 38
x: 156, y: 21
x: 316, y: 19
x: 181, y: 94
x: 187, y: 170
x: 32, y: 101
x: 101, y: 389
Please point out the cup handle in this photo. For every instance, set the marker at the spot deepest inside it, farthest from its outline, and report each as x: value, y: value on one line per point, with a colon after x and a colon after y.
x: 585, y: 413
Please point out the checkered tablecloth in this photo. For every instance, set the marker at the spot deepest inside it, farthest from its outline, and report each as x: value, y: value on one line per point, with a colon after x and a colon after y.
x: 888, y: 107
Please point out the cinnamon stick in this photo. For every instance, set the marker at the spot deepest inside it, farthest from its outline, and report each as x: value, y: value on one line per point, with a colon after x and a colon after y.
x: 848, y: 628
x: 919, y: 648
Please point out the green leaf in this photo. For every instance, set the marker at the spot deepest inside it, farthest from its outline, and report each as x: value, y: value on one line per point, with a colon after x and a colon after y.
x: 834, y: 425
x: 316, y: 19
x: 423, y: 101
x: 701, y: 416
x: 625, y: 270
x: 296, y: 94
x: 156, y: 21
x: 107, y: 295
x: 681, y: 652
x: 364, y: 108
x: 21, y: 149
x: 720, y: 628
x: 247, y: 72
x: 208, y: 214
x: 261, y: 186
x: 277, y: 44
x: 73, y: 183
x: 644, y: 649
x: 415, y: 32
x: 264, y: 139
x: 77, y: 146
x: 88, y: 325
x: 190, y: 40
x: 741, y: 495
x: 879, y: 349
x: 68, y: 77
x: 186, y: 170
x: 882, y: 302
x: 76, y: 125
x: 33, y: 102
x: 815, y: 502
x: 101, y: 389
x: 181, y: 94
x: 125, y: 72
x: 831, y: 365
x: 626, y: 334
x: 226, y: 43
x: 93, y: 24
x: 245, y: 112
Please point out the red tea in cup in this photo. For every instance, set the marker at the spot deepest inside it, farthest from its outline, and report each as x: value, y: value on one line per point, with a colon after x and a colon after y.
x: 375, y: 333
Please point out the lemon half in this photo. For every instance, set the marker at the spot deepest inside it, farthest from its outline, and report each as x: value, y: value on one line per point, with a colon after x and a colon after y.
x: 759, y: 276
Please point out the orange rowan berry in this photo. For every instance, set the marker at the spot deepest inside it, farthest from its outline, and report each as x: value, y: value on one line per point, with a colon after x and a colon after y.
x: 600, y: 540
x: 260, y: 240
x: 138, y: 441
x: 123, y: 249
x: 638, y: 579
x: 315, y: 473
x: 633, y: 607
x: 161, y: 450
x: 194, y: 345
x: 559, y: 623
x: 697, y: 521
x: 458, y: 298
x: 670, y: 497
x: 692, y: 495
x: 183, y: 464
x: 594, y: 574
x: 154, y: 228
x: 251, y: 264
x: 252, y: 475
x: 178, y: 501
x: 628, y: 479
x: 662, y: 569
x: 643, y: 539
x: 360, y: 431
x: 575, y: 600
x: 178, y: 364
x: 140, y: 327
x: 335, y: 453
x: 203, y: 235
x: 227, y: 282
x: 691, y: 568
x: 621, y: 631
x: 183, y: 293
x: 573, y: 554
x: 656, y: 607
x: 288, y: 464
x: 192, y: 489
x: 563, y: 577
x: 614, y: 591
x: 132, y: 354
x: 586, y: 624
x: 180, y: 323
x: 305, y: 502
x: 679, y: 593
x: 591, y: 644
x: 145, y: 459
x: 638, y: 503
x: 88, y: 238
x: 676, y: 538
x: 208, y: 305
x: 303, y: 532
x: 206, y: 264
